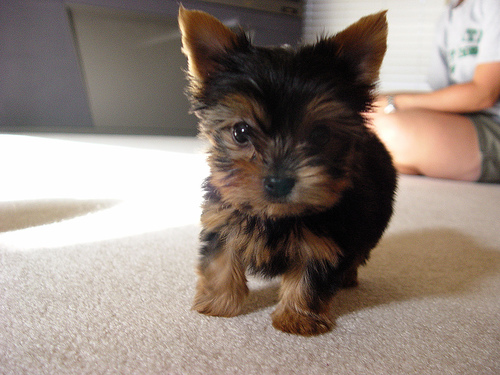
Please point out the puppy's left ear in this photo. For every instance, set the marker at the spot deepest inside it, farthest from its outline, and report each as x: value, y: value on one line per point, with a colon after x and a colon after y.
x: 204, y: 39
x: 364, y: 44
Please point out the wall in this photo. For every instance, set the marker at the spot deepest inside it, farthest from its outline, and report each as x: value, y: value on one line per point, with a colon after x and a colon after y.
x: 411, y: 34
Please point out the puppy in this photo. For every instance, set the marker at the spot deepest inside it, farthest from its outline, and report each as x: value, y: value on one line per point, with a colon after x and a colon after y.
x: 299, y: 186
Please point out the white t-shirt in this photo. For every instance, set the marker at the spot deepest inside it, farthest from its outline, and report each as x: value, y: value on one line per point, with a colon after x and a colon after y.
x: 467, y: 35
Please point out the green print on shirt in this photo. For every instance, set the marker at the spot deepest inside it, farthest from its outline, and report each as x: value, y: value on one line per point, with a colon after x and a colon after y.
x: 472, y: 37
x: 466, y: 51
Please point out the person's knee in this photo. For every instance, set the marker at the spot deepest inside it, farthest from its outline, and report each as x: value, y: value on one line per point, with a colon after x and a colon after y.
x: 389, y: 129
x: 396, y: 136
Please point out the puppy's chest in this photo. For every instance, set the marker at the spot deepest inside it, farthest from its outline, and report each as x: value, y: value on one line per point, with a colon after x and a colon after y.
x: 267, y: 246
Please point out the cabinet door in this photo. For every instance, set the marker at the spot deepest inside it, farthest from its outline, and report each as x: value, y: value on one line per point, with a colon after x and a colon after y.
x: 134, y: 70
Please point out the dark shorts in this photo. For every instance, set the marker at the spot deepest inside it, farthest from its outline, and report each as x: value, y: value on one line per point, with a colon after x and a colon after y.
x: 488, y: 133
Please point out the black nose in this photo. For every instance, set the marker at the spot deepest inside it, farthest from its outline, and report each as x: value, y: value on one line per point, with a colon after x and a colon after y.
x: 278, y: 187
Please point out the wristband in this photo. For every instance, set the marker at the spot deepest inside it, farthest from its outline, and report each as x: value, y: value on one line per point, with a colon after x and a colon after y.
x: 390, y: 107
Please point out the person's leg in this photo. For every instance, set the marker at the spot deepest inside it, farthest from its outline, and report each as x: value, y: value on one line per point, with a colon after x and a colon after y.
x: 431, y: 143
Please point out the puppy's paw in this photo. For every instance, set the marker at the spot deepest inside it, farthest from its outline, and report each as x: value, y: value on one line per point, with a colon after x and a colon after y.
x: 291, y: 321
x: 226, y: 304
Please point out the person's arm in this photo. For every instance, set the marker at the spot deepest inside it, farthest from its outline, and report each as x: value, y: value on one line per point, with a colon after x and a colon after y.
x: 480, y: 93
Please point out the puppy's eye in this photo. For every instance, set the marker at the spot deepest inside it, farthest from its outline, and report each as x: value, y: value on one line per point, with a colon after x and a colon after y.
x: 241, y: 132
x: 320, y: 136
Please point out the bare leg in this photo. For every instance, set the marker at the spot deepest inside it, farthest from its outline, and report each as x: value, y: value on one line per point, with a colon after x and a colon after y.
x: 434, y: 144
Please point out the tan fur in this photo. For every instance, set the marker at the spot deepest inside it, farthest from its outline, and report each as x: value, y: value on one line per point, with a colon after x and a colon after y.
x: 322, y: 108
x: 315, y: 189
x: 367, y: 40
x: 215, y: 216
x: 318, y: 248
x: 221, y: 286
x: 203, y: 37
x: 293, y: 314
x: 238, y: 208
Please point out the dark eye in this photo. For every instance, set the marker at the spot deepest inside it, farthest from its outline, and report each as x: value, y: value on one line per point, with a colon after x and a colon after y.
x: 241, y: 132
x: 320, y: 136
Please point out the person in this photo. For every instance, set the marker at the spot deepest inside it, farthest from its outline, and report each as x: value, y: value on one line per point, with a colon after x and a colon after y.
x: 453, y: 131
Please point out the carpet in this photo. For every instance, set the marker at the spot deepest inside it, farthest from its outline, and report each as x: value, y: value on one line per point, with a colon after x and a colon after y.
x: 99, y: 241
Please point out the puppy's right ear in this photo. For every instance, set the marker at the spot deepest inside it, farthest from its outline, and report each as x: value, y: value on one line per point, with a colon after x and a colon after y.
x: 204, y: 40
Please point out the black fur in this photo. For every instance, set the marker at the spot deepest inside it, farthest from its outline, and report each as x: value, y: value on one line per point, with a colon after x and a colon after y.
x: 307, y: 125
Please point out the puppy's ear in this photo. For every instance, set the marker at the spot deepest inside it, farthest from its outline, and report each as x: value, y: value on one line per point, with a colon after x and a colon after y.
x: 204, y: 39
x: 364, y: 44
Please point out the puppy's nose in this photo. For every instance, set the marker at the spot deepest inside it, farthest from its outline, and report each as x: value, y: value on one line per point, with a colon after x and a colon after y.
x: 278, y: 187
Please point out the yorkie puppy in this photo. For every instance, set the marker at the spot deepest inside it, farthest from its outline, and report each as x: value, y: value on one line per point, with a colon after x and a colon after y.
x: 299, y: 187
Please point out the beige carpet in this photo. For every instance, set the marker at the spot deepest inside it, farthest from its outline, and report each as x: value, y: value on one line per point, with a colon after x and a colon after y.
x: 98, y: 242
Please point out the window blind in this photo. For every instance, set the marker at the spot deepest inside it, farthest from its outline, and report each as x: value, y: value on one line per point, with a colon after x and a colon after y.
x: 412, y: 26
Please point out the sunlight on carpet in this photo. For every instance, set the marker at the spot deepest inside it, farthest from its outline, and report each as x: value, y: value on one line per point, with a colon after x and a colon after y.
x: 153, y: 189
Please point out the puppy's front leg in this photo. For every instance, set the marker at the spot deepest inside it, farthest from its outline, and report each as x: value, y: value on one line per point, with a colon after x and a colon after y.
x: 221, y: 287
x: 304, y: 304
